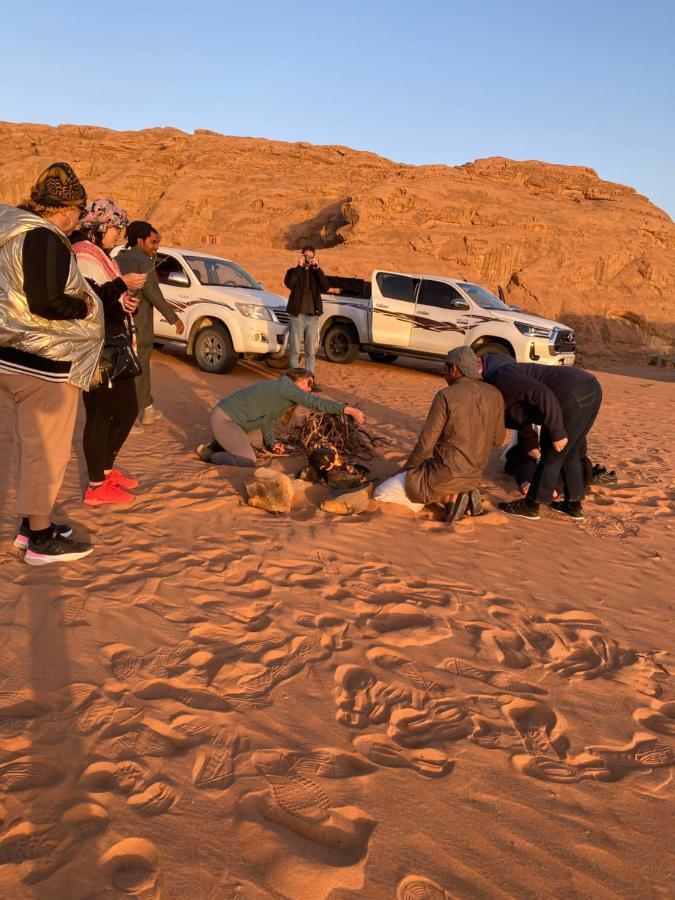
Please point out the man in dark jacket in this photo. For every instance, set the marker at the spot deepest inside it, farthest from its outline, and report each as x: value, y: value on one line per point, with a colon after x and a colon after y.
x: 465, y: 421
x: 142, y: 246
x: 565, y: 401
x: 305, y: 281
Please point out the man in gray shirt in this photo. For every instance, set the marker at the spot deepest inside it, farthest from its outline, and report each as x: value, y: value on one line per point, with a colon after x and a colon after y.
x: 139, y: 256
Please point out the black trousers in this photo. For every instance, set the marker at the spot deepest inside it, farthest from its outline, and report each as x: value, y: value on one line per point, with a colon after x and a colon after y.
x: 580, y: 409
x: 111, y: 411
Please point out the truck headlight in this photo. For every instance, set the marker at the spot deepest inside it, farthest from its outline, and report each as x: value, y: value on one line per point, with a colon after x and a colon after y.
x: 253, y: 310
x: 532, y: 330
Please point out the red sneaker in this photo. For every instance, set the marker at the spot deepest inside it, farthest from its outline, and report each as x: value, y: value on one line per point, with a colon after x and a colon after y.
x: 106, y: 493
x: 119, y: 479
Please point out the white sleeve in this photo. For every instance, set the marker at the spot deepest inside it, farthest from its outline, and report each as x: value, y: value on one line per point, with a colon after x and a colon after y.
x: 91, y: 269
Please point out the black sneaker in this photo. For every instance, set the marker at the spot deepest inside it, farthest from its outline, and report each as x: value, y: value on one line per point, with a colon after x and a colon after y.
x: 521, y: 508
x: 602, y: 476
x: 206, y: 451
x: 573, y: 509
x: 23, y: 534
x: 56, y: 549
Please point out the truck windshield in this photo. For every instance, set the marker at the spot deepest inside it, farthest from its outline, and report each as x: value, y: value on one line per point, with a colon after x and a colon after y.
x: 483, y: 298
x: 221, y: 273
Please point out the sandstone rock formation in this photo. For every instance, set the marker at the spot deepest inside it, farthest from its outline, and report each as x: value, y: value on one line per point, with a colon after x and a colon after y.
x: 561, y: 242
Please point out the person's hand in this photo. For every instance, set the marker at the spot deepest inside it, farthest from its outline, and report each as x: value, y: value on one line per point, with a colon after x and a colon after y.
x: 560, y: 445
x: 535, y: 453
x: 301, y: 260
x: 314, y: 263
x: 180, y: 328
x: 130, y: 304
x: 278, y: 448
x: 356, y: 414
x: 134, y: 280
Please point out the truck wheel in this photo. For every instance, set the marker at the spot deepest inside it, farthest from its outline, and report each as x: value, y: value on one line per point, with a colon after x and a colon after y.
x: 382, y: 357
x: 279, y: 362
x: 340, y: 344
x: 213, y: 350
x: 494, y: 348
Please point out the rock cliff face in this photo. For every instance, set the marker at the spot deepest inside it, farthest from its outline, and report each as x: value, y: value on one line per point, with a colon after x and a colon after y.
x: 560, y: 241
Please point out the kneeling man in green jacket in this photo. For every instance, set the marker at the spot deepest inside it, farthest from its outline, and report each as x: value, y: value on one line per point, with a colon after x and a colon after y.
x: 258, y: 406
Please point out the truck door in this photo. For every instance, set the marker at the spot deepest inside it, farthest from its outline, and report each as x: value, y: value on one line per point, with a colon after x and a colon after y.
x: 174, y: 283
x: 393, y: 306
x: 441, y: 318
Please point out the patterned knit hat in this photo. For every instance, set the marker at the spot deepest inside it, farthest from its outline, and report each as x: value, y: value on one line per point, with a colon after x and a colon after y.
x: 58, y: 186
x: 102, y: 214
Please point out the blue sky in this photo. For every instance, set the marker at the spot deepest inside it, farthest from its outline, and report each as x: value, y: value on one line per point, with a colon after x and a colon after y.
x: 588, y: 83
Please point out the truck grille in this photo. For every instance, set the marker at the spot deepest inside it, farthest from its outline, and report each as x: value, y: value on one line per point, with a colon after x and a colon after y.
x: 281, y: 315
x: 564, y: 342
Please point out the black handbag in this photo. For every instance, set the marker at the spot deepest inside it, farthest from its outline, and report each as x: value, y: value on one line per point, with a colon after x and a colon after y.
x: 118, y: 360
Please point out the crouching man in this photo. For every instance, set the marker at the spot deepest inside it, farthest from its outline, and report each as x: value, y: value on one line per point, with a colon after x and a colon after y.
x: 464, y: 422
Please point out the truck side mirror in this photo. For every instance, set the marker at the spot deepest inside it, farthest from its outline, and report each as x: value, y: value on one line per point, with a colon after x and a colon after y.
x: 178, y: 279
x: 458, y: 303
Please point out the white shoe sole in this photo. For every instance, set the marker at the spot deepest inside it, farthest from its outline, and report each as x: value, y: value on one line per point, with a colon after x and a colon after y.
x: 37, y: 560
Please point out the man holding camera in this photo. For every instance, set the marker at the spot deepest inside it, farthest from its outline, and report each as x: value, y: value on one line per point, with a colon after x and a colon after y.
x: 305, y: 281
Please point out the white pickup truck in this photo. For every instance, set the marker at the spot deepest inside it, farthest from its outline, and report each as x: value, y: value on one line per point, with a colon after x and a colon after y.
x: 399, y: 314
x: 227, y: 314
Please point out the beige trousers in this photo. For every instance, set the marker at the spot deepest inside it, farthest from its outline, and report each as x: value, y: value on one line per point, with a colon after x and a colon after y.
x: 44, y: 420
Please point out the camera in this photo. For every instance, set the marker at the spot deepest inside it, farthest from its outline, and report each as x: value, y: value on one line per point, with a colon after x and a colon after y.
x: 309, y: 260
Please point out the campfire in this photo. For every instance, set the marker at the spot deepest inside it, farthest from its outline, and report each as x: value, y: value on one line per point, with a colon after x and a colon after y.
x: 332, y: 445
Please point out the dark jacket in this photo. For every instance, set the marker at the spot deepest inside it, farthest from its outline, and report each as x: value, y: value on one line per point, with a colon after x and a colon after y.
x: 318, y: 283
x: 466, y: 419
x: 532, y: 394
x: 259, y: 405
x: 149, y: 296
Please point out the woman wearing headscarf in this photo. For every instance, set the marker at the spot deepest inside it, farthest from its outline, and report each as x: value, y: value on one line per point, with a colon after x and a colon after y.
x: 111, y: 408
x: 51, y: 333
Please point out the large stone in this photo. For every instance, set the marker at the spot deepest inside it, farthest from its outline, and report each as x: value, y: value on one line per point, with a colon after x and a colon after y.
x: 350, y: 502
x: 270, y: 490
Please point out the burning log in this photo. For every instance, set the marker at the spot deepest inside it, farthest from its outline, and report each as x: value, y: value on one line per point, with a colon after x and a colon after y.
x: 331, y: 444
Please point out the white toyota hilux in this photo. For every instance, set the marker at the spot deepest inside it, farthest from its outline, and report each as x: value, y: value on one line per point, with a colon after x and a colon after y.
x: 424, y: 316
x: 227, y: 314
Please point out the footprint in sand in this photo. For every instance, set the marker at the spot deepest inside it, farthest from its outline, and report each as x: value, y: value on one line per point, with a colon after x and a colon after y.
x: 213, y: 769
x: 504, y: 681
x: 156, y: 799
x: 123, y: 777
x: 382, y: 751
x: 590, y: 656
x: 323, y: 762
x: 399, y: 617
x: 611, y: 763
x: 199, y: 698
x: 402, y: 665
x: 133, y: 867
x: 24, y: 704
x: 535, y: 722
x: 30, y: 772
x: 53, y: 844
x: 417, y: 887
x: 298, y: 804
x: 660, y: 717
x: 363, y: 700
x: 442, y: 720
